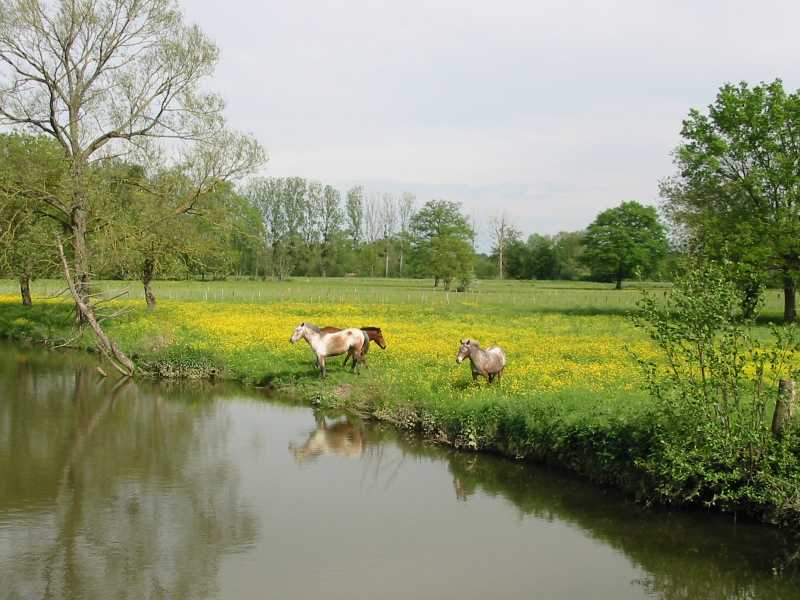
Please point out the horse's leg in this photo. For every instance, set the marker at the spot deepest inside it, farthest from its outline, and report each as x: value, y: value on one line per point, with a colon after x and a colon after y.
x: 321, y: 361
x: 346, y: 356
x: 490, y: 377
x: 357, y: 358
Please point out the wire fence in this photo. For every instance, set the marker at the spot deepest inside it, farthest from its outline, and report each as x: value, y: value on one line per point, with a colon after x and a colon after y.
x: 552, y: 296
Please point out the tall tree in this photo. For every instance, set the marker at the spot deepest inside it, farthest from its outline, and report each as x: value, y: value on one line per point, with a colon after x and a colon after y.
x: 372, y: 231
x: 737, y: 191
x: 441, y: 246
x: 104, y: 77
x: 503, y: 233
x: 294, y: 201
x: 388, y: 222
x: 355, y: 215
x: 267, y: 196
x: 624, y: 241
x: 148, y: 241
x: 31, y: 167
x: 331, y: 220
x: 405, y: 211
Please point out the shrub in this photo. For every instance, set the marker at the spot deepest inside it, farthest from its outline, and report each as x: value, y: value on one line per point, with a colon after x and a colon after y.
x: 714, y: 389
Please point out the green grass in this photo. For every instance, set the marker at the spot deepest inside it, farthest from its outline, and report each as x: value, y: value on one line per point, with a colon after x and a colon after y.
x: 557, y: 296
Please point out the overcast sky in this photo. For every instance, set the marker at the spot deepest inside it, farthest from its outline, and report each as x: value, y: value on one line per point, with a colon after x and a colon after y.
x: 551, y: 111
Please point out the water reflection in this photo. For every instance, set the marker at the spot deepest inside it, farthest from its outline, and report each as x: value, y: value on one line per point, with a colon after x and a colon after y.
x: 343, y: 437
x: 122, y: 489
x: 683, y: 556
x: 111, y: 487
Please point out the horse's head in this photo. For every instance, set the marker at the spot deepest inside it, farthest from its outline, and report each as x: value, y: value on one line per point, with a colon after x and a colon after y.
x: 463, y: 351
x: 377, y: 337
x: 298, y: 333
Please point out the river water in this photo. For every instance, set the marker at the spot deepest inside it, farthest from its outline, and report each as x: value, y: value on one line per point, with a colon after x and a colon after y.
x: 143, y: 490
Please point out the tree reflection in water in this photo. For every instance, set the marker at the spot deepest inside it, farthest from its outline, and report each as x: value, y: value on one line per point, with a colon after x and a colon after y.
x: 119, y: 489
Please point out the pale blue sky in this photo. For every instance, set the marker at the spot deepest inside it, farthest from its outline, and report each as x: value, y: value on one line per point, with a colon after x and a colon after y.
x: 552, y: 111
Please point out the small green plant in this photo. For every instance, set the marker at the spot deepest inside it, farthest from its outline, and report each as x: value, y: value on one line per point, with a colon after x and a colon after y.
x: 714, y: 387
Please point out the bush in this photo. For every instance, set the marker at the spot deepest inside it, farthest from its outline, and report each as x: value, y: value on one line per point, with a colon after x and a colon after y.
x: 714, y: 392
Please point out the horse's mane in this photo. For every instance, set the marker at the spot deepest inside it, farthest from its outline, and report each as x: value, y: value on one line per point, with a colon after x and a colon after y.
x: 370, y: 328
x: 313, y: 327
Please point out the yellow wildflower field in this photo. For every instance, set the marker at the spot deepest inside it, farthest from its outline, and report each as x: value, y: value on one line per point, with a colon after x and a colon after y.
x: 546, y: 351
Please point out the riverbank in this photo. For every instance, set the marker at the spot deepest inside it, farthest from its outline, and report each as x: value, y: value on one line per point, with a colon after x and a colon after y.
x: 572, y: 395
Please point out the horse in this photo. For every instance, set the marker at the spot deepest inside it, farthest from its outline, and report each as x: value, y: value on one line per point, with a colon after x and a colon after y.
x: 341, y: 437
x: 488, y: 363
x: 331, y: 344
x: 374, y: 334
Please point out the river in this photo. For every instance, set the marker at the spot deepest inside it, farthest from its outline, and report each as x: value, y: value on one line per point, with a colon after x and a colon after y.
x: 115, y: 489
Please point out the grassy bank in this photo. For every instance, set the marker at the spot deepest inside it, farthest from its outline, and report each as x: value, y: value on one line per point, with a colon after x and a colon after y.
x: 572, y: 395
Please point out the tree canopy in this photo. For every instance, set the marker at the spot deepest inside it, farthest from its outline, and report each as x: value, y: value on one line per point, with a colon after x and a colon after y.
x: 737, y: 191
x: 441, y: 242
x: 624, y: 241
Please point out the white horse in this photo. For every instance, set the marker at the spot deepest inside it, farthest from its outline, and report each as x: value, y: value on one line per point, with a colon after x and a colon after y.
x: 350, y: 340
x: 489, y: 363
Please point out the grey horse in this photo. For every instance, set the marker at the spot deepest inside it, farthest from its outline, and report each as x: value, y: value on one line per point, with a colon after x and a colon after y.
x: 489, y: 363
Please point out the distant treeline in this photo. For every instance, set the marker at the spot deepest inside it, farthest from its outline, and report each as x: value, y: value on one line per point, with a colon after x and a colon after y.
x: 147, y: 224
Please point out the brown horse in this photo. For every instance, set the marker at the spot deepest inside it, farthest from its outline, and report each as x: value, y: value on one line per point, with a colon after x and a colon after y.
x: 374, y: 334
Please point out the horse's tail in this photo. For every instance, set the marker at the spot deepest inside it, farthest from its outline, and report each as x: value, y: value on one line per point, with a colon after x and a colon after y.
x: 365, y: 345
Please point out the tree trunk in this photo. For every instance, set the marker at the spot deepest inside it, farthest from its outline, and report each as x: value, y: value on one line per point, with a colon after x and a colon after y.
x: 619, y: 279
x: 401, y: 260
x: 147, y: 278
x: 435, y: 282
x: 25, y: 289
x: 78, y: 226
x: 500, y: 261
x: 784, y: 407
x: 789, y: 300
x: 149, y: 296
x: 386, y: 260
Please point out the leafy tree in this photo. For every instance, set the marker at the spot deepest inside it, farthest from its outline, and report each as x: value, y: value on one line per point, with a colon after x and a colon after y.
x: 331, y: 220
x: 714, y: 387
x: 503, y: 234
x: 737, y: 191
x: 568, y: 247
x: 387, y: 215
x: 269, y: 197
x: 31, y: 168
x: 441, y: 245
x: 517, y: 260
x: 107, y: 77
x: 546, y: 256
x: 405, y: 210
x: 624, y: 241
x: 543, y: 262
x: 355, y: 215
x: 485, y: 267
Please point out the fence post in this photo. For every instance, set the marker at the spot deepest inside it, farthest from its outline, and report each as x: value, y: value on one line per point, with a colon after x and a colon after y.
x: 784, y: 406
